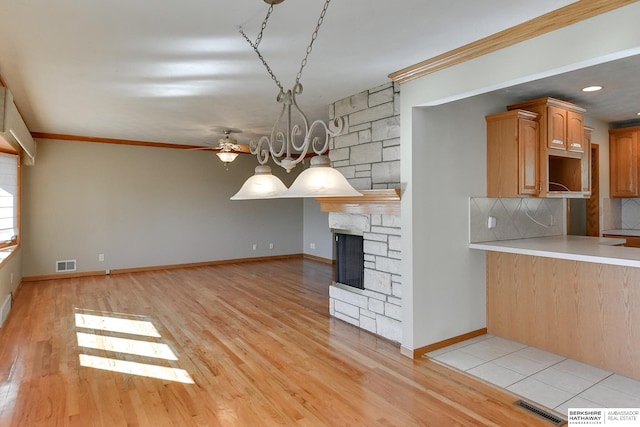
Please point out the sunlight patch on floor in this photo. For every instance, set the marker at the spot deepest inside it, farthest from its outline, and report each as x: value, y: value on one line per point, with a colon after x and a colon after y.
x: 135, y: 368
x: 125, y: 345
x: 116, y: 324
x: 103, y: 325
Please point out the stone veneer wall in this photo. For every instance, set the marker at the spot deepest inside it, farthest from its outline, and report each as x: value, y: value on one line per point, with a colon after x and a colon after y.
x: 368, y: 155
x: 377, y: 308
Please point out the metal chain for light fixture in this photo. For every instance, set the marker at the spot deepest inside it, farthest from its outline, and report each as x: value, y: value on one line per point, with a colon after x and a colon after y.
x: 313, y: 39
x: 303, y: 63
x: 255, y: 44
x: 284, y: 143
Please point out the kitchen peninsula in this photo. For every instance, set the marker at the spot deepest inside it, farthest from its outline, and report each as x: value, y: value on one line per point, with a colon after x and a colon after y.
x: 572, y: 295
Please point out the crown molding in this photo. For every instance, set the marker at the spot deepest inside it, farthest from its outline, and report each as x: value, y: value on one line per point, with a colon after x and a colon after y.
x: 554, y: 20
x: 82, y: 138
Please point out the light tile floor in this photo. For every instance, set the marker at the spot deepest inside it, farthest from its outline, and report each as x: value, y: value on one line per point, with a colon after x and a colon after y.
x: 538, y: 376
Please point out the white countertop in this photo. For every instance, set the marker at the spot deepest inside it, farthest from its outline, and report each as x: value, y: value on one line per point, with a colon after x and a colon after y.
x: 577, y: 248
x: 623, y: 232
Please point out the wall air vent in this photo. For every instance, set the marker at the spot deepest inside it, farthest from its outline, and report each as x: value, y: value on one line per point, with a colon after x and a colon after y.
x: 64, y: 266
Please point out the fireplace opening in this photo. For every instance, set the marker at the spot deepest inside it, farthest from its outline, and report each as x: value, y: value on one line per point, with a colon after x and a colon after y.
x: 349, y: 252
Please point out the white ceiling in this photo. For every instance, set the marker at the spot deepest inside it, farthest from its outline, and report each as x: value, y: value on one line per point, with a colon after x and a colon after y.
x: 179, y: 71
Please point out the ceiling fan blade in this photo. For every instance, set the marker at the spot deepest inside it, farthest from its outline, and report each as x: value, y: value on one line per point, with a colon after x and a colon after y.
x: 243, y: 148
x: 203, y: 148
x: 224, y: 130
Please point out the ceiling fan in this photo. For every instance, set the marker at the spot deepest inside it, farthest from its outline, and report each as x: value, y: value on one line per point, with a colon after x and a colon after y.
x: 228, y: 147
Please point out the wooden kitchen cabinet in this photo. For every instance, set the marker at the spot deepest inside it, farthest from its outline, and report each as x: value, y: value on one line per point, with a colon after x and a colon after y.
x: 562, y: 164
x: 631, y: 241
x: 623, y: 162
x: 512, y: 154
x: 561, y: 123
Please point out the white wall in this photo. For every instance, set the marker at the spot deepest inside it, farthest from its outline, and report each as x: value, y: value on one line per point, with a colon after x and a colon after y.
x: 449, y: 166
x: 145, y: 206
x: 316, y: 231
x: 433, y: 310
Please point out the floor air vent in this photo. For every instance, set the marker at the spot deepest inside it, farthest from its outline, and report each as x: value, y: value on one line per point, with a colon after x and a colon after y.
x: 541, y: 412
x: 68, y: 265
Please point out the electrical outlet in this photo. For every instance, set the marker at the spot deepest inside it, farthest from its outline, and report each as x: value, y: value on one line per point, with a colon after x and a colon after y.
x: 101, y: 257
x: 312, y: 245
x: 492, y: 222
x: 270, y: 245
x: 255, y: 246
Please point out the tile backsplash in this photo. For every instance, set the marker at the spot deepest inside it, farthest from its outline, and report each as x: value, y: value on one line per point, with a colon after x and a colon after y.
x: 631, y: 214
x: 515, y: 218
x: 621, y: 214
x: 611, y: 214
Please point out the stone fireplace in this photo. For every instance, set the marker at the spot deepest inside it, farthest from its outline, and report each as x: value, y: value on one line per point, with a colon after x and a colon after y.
x: 378, y: 307
x: 368, y: 155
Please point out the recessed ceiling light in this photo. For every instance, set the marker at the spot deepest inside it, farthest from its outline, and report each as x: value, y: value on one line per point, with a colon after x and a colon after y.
x: 593, y: 88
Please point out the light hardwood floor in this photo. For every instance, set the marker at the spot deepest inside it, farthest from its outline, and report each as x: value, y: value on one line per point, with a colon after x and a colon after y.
x: 234, y: 345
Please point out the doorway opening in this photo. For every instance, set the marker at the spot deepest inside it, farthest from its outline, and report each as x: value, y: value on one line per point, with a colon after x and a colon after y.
x: 583, y: 215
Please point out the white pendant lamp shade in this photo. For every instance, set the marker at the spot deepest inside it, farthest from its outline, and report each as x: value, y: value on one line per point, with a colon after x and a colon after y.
x: 227, y: 156
x: 321, y: 180
x: 262, y: 185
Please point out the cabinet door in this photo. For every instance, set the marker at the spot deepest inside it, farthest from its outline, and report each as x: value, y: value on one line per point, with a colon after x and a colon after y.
x: 632, y: 241
x: 557, y: 128
x: 528, y: 156
x: 623, y: 167
x: 575, y: 131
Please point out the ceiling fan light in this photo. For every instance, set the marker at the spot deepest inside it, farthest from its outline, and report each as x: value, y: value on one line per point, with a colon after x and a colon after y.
x: 321, y: 180
x: 227, y: 156
x: 262, y: 185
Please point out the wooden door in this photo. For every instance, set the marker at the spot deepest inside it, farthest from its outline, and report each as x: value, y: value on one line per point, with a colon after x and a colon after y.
x: 623, y: 168
x: 586, y: 162
x: 557, y: 128
x: 593, y: 202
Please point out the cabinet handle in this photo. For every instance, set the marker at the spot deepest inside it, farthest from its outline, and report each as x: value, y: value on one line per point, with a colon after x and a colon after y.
x: 557, y: 141
x: 576, y: 144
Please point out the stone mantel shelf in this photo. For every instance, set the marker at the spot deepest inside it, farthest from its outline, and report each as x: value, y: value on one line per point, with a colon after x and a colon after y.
x: 385, y: 202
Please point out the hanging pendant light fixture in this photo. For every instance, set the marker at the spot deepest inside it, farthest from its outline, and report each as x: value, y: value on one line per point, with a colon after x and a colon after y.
x: 292, y: 139
x: 320, y: 180
x: 262, y: 185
